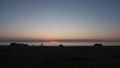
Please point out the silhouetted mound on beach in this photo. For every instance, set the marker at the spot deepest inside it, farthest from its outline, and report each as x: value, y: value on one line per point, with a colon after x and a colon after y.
x: 97, y: 44
x: 18, y: 44
x: 60, y: 57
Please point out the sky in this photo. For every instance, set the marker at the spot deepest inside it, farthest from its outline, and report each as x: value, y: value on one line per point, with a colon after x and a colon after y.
x: 59, y: 19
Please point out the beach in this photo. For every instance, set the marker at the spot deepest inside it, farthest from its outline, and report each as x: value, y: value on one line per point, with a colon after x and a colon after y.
x: 60, y: 57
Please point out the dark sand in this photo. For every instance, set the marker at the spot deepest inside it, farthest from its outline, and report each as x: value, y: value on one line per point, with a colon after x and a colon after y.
x: 60, y: 57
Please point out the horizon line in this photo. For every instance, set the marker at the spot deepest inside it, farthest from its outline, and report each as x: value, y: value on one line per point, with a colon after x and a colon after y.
x: 61, y: 40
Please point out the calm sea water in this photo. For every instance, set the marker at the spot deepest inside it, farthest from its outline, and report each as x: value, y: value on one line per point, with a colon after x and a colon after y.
x: 53, y: 43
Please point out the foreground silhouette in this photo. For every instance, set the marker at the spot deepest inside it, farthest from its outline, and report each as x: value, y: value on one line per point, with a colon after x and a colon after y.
x: 60, y: 57
x: 18, y: 44
x: 97, y: 44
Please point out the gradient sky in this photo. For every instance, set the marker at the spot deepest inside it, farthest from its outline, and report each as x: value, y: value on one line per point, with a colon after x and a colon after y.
x: 59, y: 19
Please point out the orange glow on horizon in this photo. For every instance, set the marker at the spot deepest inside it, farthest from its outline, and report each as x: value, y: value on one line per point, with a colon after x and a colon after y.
x: 56, y: 37
x: 53, y: 42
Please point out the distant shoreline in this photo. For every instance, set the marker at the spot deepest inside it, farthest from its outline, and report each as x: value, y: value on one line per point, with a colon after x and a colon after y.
x: 67, y: 46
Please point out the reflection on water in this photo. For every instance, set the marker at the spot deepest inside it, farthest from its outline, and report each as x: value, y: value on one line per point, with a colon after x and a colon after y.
x: 53, y: 43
